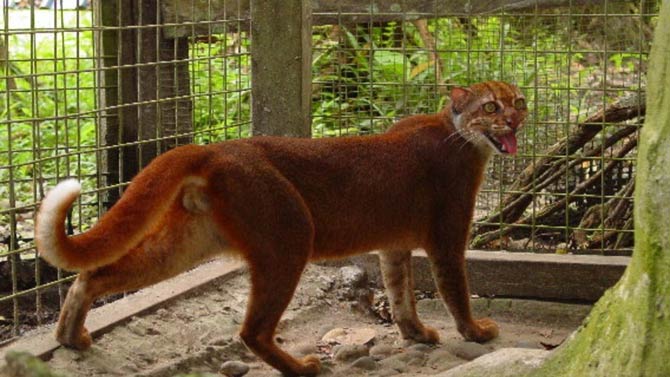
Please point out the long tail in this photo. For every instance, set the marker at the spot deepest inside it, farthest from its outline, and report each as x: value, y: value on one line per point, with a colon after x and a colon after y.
x: 142, y: 206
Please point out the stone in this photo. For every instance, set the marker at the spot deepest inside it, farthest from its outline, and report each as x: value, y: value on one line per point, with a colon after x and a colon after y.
x: 365, y: 363
x: 420, y: 347
x: 382, y: 351
x: 506, y: 362
x: 348, y: 352
x: 221, y: 341
x: 393, y: 363
x: 234, y: 368
x: 353, y: 277
x: 440, y: 360
x: 401, y: 361
x: 340, y: 335
x: 467, y: 350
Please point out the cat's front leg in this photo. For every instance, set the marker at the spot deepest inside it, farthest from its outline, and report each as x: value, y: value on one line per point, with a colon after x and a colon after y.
x: 396, y: 267
x: 448, y: 267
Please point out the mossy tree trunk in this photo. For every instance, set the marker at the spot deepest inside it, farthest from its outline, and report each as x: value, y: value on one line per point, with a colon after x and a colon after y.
x: 628, y: 331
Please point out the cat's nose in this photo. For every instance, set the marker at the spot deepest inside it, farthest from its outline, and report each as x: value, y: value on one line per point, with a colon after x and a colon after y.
x: 510, y: 122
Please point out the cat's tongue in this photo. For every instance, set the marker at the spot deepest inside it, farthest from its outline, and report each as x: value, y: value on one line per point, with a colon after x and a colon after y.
x: 509, y: 142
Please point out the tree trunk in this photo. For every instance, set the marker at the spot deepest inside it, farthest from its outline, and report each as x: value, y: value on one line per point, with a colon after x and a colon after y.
x: 628, y: 331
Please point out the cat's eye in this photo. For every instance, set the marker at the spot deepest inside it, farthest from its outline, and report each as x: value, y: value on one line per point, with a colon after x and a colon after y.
x: 490, y: 107
x: 519, y: 104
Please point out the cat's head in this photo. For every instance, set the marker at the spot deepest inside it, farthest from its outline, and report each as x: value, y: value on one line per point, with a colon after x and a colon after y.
x: 489, y: 114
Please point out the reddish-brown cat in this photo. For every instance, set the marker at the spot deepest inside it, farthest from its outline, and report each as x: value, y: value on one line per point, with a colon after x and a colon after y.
x: 280, y: 202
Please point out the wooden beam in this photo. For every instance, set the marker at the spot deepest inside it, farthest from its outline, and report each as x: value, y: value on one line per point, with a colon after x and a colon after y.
x: 281, y: 61
x: 220, y: 16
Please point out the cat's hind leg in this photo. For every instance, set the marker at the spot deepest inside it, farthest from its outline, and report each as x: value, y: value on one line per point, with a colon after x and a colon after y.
x: 272, y: 285
x: 396, y: 267
x: 70, y: 330
x: 177, y: 246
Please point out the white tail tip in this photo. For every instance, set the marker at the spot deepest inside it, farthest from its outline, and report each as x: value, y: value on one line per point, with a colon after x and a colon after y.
x: 50, y: 214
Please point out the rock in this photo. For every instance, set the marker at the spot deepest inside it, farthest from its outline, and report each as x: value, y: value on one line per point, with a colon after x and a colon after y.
x: 506, y: 362
x: 401, y: 361
x: 234, y: 368
x: 323, y: 330
x: 348, y: 352
x: 394, y: 363
x: 440, y: 360
x: 221, y: 341
x: 382, y: 351
x: 23, y: 364
x: 353, y: 277
x: 365, y: 363
x: 137, y: 328
x: 340, y: 335
x: 467, y: 350
x: 420, y: 347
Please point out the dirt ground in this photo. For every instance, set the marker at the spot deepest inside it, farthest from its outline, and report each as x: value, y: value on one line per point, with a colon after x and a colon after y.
x: 330, y: 315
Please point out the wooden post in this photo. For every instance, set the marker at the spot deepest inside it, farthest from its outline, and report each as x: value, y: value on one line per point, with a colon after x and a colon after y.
x: 136, y: 89
x: 281, y: 59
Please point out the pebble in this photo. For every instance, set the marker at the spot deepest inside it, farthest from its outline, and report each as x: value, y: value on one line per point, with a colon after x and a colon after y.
x: 360, y: 336
x: 162, y: 313
x: 353, y: 277
x: 420, y: 347
x: 323, y: 330
x: 234, y: 368
x: 442, y: 360
x: 136, y: 328
x: 221, y: 341
x: 348, y: 352
x: 382, y: 351
x: 394, y: 363
x: 365, y: 363
x: 467, y: 350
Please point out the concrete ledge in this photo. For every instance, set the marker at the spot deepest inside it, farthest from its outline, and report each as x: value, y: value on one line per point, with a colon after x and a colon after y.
x: 41, y: 342
x: 521, y: 275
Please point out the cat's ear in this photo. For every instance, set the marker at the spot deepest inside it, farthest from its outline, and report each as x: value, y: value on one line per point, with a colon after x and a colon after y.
x: 459, y: 98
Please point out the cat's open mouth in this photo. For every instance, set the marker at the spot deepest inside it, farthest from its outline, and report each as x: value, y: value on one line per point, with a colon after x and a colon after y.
x: 505, y: 144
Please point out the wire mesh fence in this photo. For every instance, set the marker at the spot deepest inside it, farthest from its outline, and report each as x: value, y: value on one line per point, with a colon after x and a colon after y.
x: 96, y: 90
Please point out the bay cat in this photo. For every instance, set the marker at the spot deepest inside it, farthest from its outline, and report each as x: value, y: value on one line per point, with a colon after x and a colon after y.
x: 281, y: 202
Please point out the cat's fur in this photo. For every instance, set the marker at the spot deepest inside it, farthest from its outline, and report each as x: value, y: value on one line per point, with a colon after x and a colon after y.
x: 280, y: 202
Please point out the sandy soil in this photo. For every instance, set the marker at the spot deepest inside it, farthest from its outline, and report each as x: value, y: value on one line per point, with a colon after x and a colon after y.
x: 198, y: 333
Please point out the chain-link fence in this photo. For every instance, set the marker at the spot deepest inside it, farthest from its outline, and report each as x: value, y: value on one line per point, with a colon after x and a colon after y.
x: 96, y: 90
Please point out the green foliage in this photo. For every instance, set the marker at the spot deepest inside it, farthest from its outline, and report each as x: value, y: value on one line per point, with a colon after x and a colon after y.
x: 369, y: 76
x: 364, y: 78
x: 221, y: 85
x: 47, y: 106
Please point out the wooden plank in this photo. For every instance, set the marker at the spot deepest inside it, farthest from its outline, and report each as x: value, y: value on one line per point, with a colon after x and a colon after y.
x: 228, y: 15
x: 281, y: 61
x: 41, y: 342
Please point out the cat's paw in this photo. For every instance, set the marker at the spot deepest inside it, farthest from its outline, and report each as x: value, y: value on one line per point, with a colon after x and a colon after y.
x: 418, y: 332
x: 481, y: 330
x: 81, y: 341
x: 311, y: 365
x: 427, y: 335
